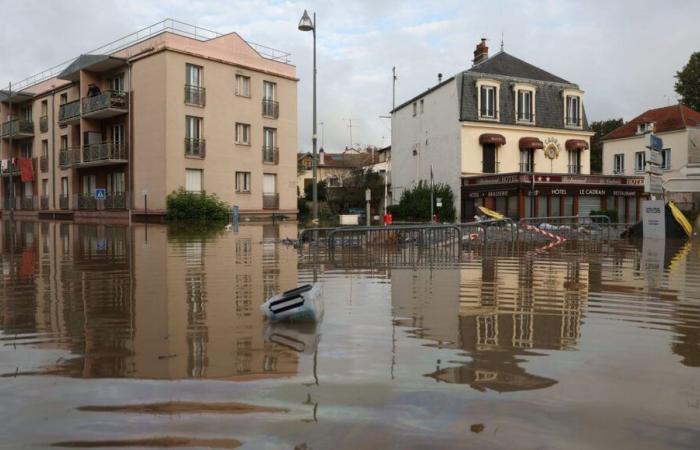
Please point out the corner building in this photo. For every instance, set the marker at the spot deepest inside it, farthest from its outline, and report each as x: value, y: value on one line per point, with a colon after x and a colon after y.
x: 171, y: 106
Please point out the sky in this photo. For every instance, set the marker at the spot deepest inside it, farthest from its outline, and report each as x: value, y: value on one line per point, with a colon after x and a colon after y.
x: 623, y: 54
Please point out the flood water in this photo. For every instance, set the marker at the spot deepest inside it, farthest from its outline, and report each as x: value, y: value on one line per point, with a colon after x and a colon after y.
x: 145, y: 337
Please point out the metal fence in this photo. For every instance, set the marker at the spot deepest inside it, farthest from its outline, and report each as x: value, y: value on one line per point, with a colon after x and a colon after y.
x: 594, y: 227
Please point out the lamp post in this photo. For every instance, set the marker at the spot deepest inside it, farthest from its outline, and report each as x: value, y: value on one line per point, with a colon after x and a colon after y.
x: 306, y: 24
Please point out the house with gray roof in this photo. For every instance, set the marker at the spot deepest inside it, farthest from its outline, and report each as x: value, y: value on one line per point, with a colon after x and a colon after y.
x: 506, y: 135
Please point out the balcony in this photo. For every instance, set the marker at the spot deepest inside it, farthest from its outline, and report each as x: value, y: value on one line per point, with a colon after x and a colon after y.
x: 18, y: 129
x: 116, y: 200
x: 63, y: 202
x: 44, y: 124
x: 527, y: 167
x: 44, y: 202
x: 68, y: 157
x: 87, y: 201
x: 271, y: 201
x: 195, y: 148
x: 104, y: 153
x: 195, y: 95
x: 106, y: 104
x: 44, y: 163
x: 270, y: 108
x: 69, y: 113
x: 575, y: 169
x: 270, y: 155
x: 10, y: 169
x: 28, y: 203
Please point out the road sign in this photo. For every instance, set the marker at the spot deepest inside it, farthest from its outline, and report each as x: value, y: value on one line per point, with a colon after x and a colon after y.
x: 654, y: 219
x: 100, y: 194
x: 654, y: 142
x: 653, y: 184
x: 654, y: 170
x: 654, y: 157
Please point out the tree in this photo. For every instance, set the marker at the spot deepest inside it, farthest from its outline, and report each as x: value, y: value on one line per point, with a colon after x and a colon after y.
x: 352, y: 193
x: 688, y: 82
x: 415, y: 203
x: 321, y: 189
x: 601, y: 128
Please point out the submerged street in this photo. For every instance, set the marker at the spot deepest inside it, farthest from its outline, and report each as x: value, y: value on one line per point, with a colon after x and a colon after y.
x: 149, y: 337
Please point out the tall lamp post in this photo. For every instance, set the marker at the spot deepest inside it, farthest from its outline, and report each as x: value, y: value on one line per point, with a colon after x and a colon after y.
x: 306, y: 24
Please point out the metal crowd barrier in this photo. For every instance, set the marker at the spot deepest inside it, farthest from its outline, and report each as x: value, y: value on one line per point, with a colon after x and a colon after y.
x: 595, y: 227
x: 379, y: 237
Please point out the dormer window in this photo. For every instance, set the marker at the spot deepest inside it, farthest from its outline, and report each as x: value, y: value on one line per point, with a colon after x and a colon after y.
x: 525, y: 103
x: 645, y: 128
x: 488, y: 99
x: 573, y: 111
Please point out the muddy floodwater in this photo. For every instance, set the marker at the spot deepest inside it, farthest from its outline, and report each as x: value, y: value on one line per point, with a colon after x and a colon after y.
x: 145, y: 337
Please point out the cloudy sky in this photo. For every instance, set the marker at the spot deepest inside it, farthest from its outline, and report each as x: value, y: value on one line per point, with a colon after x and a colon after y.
x: 624, y: 54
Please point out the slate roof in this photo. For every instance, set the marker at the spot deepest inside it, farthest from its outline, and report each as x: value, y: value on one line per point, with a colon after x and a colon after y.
x: 509, y: 70
x: 668, y: 118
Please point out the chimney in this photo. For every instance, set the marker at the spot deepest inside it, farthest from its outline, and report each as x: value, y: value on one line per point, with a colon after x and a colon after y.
x: 439, y: 78
x: 481, y: 53
x: 321, y: 157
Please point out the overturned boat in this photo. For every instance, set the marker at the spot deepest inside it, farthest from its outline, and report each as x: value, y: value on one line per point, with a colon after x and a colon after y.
x: 299, y: 304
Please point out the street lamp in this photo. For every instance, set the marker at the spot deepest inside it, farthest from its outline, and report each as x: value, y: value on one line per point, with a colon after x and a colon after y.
x: 306, y: 24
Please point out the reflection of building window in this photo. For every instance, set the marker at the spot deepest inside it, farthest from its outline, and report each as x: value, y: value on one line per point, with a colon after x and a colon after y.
x: 243, y: 295
x: 270, y: 364
x: 487, y: 330
x: 244, y: 354
x: 243, y: 252
x: 522, y: 330
x: 270, y: 286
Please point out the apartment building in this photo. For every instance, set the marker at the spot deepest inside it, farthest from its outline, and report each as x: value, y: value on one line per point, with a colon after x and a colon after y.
x: 113, y: 132
x: 507, y: 135
x: 625, y: 152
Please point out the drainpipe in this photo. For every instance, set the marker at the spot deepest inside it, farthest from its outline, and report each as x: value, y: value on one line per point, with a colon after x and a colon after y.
x: 130, y: 140
x: 53, y: 146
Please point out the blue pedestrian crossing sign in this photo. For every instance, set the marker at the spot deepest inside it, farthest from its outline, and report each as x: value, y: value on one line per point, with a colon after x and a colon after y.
x: 100, y: 194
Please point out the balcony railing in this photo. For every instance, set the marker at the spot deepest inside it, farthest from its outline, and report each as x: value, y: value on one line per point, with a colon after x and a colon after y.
x: 526, y: 117
x: 573, y: 122
x: 28, y: 203
x: 271, y: 201
x: 44, y: 124
x: 115, y: 200
x: 44, y: 202
x: 526, y: 167
x: 44, y: 163
x: 10, y: 169
x: 195, y: 148
x: 68, y: 157
x: 63, y: 202
x: 17, y: 128
x: 69, y: 111
x: 195, y: 95
x: 271, y: 108
x: 575, y: 169
x: 105, y: 100
x: 105, y: 151
x: 87, y: 201
x: 270, y: 155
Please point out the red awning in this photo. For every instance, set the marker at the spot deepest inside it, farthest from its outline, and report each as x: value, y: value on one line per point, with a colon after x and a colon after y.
x: 530, y: 143
x: 492, y: 138
x: 576, y: 144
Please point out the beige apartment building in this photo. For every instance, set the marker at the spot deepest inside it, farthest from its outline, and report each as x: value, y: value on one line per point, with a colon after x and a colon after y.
x: 111, y: 133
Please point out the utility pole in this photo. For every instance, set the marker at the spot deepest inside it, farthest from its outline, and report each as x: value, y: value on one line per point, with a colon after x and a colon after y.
x: 323, y: 133
x: 12, y: 185
x: 393, y: 88
x: 350, y: 127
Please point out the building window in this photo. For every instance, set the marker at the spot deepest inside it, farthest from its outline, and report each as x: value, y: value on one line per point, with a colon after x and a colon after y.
x: 243, y: 134
x: 575, y: 162
x: 269, y: 102
x: 242, y: 86
x: 64, y: 142
x: 573, y: 109
x: 193, y: 180
x: 194, y: 144
x: 422, y: 106
x: 269, y: 90
x: 193, y: 75
x: 269, y: 145
x: 117, y: 83
x: 25, y: 149
x: 45, y: 187
x: 45, y: 148
x: 524, y: 105
x: 527, y: 161
x: 666, y: 159
x: 63, y: 99
x: 242, y: 181
x: 487, y: 106
x: 645, y: 128
x: 194, y: 92
x: 64, y: 186
x: 639, y: 161
x: 619, y: 164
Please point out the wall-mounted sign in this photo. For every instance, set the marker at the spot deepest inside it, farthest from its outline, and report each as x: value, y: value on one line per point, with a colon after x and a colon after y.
x: 551, y: 148
x: 654, y: 142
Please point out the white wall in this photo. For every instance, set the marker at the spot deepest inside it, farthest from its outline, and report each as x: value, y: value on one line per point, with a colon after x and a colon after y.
x: 677, y: 141
x: 435, y: 135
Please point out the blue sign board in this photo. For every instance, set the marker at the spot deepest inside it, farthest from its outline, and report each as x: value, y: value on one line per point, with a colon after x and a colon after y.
x: 101, y: 244
x: 655, y: 143
x: 100, y: 194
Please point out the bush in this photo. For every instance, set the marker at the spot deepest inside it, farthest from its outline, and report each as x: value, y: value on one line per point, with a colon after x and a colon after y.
x: 183, y: 205
x: 321, y: 189
x: 415, y: 203
x: 303, y: 208
x: 611, y: 213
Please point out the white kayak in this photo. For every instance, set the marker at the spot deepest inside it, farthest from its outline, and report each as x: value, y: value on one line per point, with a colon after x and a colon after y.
x: 302, y: 337
x: 300, y: 304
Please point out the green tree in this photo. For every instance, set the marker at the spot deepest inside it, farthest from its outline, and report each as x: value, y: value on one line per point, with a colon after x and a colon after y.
x: 688, y: 82
x: 352, y: 193
x: 601, y: 128
x: 415, y: 203
x: 321, y: 189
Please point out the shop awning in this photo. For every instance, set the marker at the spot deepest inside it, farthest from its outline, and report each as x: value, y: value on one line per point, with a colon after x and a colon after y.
x: 576, y: 144
x: 492, y: 138
x: 530, y: 143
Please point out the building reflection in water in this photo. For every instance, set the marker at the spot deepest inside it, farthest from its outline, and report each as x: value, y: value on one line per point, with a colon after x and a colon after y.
x: 143, y: 302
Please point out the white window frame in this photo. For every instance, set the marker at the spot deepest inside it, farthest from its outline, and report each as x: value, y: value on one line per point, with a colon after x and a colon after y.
x: 566, y: 94
x: 193, y: 75
x: 269, y: 90
x: 666, y: 159
x: 242, y: 133
x: 619, y: 163
x: 243, y: 182
x: 116, y: 83
x: 496, y: 85
x: 242, y: 85
x: 201, y: 180
x: 519, y: 88
x: 639, y: 168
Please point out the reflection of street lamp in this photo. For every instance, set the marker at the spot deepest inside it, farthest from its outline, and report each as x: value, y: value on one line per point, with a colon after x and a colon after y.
x: 306, y: 24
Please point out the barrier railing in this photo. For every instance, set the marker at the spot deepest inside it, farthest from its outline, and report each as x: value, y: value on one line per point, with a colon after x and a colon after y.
x: 592, y: 227
x: 395, y: 235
